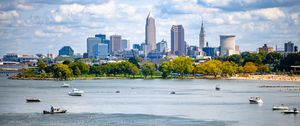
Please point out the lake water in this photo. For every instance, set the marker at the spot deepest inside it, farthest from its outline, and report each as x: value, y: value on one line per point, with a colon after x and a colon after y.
x: 147, y: 103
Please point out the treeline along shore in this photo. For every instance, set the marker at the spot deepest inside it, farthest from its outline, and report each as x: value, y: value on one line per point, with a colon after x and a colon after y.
x: 248, y: 66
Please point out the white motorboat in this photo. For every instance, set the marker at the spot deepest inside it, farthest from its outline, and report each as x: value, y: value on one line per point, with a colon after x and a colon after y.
x: 281, y: 107
x: 65, y: 85
x: 291, y: 111
x: 76, y: 92
x: 255, y: 100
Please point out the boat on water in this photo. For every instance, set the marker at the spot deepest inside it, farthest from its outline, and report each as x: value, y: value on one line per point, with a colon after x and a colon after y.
x: 255, y: 100
x: 281, y: 107
x: 76, y: 92
x: 33, y: 100
x: 54, y: 110
x: 291, y: 111
x: 172, y: 92
x: 65, y: 85
x: 218, y: 88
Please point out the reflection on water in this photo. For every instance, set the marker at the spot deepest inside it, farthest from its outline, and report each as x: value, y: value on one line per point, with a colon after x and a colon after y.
x: 195, y: 100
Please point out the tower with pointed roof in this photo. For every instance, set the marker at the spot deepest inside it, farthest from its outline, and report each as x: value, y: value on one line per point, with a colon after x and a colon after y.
x: 202, y: 38
x: 150, y: 33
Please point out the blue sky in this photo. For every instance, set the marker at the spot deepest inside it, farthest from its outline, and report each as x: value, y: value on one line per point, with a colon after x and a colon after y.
x: 44, y: 26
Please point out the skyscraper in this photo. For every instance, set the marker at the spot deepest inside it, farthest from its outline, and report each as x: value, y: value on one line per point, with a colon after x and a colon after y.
x: 202, y: 38
x: 178, y: 45
x: 92, y: 42
x: 150, y: 32
x: 289, y: 47
x: 115, y: 43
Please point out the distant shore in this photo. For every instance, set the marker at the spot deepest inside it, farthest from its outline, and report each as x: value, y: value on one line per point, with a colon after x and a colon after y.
x: 268, y: 77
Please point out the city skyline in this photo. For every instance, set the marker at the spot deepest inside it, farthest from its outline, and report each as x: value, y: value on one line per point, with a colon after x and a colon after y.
x: 44, y: 27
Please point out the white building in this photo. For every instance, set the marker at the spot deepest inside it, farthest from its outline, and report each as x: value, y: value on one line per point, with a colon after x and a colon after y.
x: 227, y: 45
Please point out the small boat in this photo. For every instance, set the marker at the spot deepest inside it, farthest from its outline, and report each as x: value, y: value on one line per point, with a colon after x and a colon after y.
x: 54, y: 111
x: 65, y: 85
x: 172, y: 92
x: 281, y: 107
x: 255, y: 100
x: 117, y: 91
x: 218, y: 88
x: 291, y: 111
x: 76, y: 92
x: 33, y: 100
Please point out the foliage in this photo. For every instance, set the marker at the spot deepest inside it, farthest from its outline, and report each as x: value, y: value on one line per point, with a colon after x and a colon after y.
x: 165, y: 68
x: 135, y: 61
x: 41, y: 65
x: 252, y: 57
x: 82, y: 68
x: 263, y: 69
x: 62, y: 71
x: 250, y: 67
x: 229, y: 68
x: 148, y: 68
x: 182, y: 65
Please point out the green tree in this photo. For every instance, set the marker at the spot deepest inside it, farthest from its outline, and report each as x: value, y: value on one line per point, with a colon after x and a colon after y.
x: 133, y: 69
x: 263, y: 69
x: 213, y: 67
x: 182, y: 65
x: 273, y: 58
x: 165, y: 68
x: 67, y: 62
x: 148, y: 68
x: 62, y: 71
x: 229, y: 68
x: 41, y: 65
x: 238, y: 59
x: 84, y: 68
x: 250, y: 67
x: 135, y: 60
x: 252, y: 57
x: 76, y: 71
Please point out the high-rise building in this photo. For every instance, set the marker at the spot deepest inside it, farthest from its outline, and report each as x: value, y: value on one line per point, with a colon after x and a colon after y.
x: 265, y: 48
x: 150, y: 32
x: 178, y: 45
x: 115, y: 43
x: 125, y: 44
x: 296, y: 49
x: 227, y: 45
x: 202, y: 37
x: 102, y: 50
x: 92, y: 42
x: 66, y: 50
x: 289, y: 47
x: 162, y: 46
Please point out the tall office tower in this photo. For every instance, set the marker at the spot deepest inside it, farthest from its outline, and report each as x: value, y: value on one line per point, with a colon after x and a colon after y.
x: 125, y: 44
x: 227, y: 45
x: 150, y: 33
x: 92, y: 42
x: 202, y: 38
x: 115, y: 43
x: 289, y: 47
x: 102, y: 50
x: 178, y: 45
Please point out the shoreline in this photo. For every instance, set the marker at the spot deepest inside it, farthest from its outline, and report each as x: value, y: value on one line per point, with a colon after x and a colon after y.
x: 268, y: 77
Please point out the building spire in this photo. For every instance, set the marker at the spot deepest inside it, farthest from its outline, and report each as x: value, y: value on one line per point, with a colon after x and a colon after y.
x: 150, y: 14
x: 202, y: 28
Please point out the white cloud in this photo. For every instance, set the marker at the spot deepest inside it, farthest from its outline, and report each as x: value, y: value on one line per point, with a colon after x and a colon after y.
x: 270, y: 13
x: 23, y: 6
x: 39, y: 33
x: 58, y: 18
x: 71, y: 8
x: 5, y: 15
x: 59, y: 29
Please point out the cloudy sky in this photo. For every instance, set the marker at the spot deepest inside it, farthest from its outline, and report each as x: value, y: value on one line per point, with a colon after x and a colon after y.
x: 44, y: 26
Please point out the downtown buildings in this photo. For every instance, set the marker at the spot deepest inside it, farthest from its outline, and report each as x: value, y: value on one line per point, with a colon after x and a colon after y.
x: 150, y: 33
x: 178, y: 45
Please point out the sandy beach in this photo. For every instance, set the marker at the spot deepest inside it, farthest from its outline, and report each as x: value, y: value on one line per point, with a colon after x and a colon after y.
x: 269, y: 77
